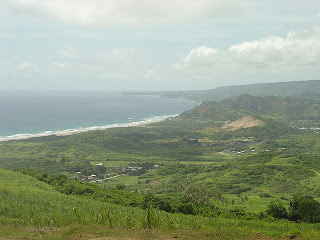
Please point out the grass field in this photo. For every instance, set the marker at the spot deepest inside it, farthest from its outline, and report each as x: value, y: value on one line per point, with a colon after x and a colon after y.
x: 31, y: 210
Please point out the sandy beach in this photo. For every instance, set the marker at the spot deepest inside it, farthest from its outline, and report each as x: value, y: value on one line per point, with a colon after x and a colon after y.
x: 83, y: 130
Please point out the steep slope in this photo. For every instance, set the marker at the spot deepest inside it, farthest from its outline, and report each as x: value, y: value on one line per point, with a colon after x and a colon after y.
x: 237, y: 107
x: 27, y: 201
x: 29, y: 205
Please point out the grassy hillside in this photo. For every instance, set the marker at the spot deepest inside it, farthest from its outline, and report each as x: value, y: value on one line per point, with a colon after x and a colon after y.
x: 234, y: 108
x: 28, y: 202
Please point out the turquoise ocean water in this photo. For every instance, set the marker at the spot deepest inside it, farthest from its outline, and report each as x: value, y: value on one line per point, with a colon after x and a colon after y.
x: 33, y: 113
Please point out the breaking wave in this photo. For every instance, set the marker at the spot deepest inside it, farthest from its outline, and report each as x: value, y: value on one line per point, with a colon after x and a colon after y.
x: 130, y: 123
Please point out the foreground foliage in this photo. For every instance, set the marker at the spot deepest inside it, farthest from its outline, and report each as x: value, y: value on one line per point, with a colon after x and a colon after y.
x: 301, y: 209
x: 28, y: 202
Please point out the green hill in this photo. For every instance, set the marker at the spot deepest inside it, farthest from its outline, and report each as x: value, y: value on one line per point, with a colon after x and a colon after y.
x: 234, y: 108
x: 296, y: 88
x: 29, y: 202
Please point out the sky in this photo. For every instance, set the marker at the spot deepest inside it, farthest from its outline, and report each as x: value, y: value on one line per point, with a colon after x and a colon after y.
x: 152, y: 45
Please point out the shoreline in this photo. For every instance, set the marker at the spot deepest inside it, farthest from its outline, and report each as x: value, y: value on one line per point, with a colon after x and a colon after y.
x: 69, y: 132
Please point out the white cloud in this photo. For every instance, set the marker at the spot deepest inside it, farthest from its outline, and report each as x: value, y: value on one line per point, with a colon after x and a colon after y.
x: 28, y: 66
x: 151, y: 73
x: 106, y: 64
x: 102, y: 56
x: 59, y: 65
x: 69, y: 53
x: 124, y: 55
x: 154, y: 73
x: 198, y: 57
x: 297, y: 50
x: 88, y: 12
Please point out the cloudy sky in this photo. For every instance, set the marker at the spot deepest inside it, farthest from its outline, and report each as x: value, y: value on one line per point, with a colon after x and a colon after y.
x: 156, y: 45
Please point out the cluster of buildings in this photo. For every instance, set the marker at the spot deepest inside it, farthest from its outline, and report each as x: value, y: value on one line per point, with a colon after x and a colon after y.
x: 114, y: 173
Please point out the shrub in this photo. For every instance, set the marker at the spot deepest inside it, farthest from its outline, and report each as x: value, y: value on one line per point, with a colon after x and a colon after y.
x: 277, y: 210
x: 265, y: 195
x: 304, y: 209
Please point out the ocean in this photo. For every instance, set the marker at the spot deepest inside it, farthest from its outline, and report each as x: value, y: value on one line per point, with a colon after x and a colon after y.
x: 34, y: 113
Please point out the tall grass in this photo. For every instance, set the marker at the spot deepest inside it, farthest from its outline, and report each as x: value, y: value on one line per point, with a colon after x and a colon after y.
x: 28, y: 202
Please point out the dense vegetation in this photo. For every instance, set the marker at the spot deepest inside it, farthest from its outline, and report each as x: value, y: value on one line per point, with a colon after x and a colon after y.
x: 28, y: 202
x: 234, y: 108
x: 301, y: 208
x: 198, y: 169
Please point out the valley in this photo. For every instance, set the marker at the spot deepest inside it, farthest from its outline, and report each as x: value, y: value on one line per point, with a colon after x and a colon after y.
x: 235, y: 162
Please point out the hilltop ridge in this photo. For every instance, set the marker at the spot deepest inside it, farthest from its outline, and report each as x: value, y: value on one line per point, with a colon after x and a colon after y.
x: 304, y: 89
x: 245, y: 104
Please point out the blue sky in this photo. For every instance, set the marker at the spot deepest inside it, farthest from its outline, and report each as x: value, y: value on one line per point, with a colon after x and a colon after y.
x: 156, y: 45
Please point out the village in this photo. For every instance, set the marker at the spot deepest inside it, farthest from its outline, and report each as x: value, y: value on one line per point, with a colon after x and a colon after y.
x: 116, y: 171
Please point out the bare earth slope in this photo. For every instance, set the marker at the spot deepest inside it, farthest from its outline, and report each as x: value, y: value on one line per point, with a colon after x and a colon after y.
x: 244, y: 122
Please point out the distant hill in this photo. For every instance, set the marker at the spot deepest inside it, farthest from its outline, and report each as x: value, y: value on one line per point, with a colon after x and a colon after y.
x: 304, y: 89
x: 245, y: 104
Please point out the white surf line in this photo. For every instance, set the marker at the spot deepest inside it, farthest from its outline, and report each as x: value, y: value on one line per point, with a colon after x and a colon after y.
x: 68, y: 132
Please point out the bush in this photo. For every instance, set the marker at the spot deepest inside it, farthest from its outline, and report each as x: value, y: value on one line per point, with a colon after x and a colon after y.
x: 304, y: 209
x: 277, y: 210
x: 156, y: 202
x: 121, y: 187
x: 265, y: 195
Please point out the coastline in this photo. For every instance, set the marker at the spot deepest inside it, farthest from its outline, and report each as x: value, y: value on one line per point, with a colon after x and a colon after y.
x: 68, y: 132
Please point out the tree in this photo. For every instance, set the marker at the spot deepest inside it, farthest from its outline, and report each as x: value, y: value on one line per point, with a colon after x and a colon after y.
x: 277, y: 210
x: 304, y: 209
